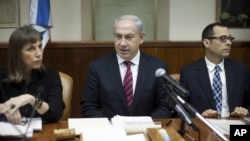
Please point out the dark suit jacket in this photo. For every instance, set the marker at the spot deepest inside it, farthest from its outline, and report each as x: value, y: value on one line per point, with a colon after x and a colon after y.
x: 195, y: 78
x: 104, y: 96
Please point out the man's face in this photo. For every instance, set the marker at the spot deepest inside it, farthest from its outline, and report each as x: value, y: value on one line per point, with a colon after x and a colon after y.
x: 127, y: 39
x: 218, y: 48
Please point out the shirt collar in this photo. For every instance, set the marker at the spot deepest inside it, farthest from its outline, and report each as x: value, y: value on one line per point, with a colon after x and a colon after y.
x: 210, y: 65
x: 135, y: 60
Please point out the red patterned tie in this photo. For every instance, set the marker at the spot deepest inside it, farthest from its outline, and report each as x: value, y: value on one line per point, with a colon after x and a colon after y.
x: 128, y: 84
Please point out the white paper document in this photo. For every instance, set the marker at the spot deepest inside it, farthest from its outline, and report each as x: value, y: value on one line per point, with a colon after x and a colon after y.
x: 137, y: 124
x: 9, y: 129
x: 223, y: 125
x: 107, y: 133
x: 79, y: 123
x: 94, y: 129
x: 127, y: 120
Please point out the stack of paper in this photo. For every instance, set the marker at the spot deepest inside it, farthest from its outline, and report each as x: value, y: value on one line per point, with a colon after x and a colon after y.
x: 135, y: 124
x: 127, y: 120
x: 94, y: 129
x: 9, y: 129
x: 107, y: 133
x: 79, y: 123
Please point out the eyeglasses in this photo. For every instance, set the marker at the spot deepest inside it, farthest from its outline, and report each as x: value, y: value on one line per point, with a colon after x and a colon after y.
x: 222, y: 38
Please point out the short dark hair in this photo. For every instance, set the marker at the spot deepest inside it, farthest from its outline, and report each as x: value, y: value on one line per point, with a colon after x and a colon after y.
x: 208, y: 31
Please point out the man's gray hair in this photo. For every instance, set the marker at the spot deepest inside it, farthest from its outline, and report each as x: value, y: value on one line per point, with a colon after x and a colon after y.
x: 134, y: 18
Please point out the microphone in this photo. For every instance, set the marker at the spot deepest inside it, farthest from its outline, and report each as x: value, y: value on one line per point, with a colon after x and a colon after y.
x: 175, y: 86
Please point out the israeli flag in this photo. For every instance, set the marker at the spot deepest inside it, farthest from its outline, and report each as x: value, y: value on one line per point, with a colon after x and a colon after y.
x: 40, y: 18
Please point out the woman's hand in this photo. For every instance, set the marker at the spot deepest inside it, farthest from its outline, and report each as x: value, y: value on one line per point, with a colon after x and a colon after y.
x: 14, y: 116
x: 11, y: 107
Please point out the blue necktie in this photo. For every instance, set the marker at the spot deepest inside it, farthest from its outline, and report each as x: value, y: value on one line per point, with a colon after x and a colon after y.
x: 217, y: 88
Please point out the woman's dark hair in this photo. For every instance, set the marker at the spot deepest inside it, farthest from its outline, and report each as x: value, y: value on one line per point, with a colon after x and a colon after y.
x: 18, y: 39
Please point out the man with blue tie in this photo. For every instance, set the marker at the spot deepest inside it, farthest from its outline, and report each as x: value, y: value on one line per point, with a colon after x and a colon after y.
x: 123, y: 82
x: 218, y: 85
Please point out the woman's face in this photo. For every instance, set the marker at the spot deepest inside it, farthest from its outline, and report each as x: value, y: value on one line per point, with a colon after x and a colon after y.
x: 32, y: 55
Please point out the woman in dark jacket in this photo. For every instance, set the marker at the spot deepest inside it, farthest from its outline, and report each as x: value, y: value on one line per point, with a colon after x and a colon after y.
x: 27, y: 88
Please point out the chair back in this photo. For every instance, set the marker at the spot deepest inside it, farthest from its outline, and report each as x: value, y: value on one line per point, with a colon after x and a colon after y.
x: 67, y: 84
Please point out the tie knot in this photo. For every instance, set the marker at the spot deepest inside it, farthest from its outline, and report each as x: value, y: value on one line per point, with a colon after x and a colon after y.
x: 217, y: 68
x: 127, y: 63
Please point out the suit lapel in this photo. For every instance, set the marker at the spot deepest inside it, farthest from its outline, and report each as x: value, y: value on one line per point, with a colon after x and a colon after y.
x: 229, y: 74
x: 114, y: 73
x: 205, y: 81
x: 142, y: 73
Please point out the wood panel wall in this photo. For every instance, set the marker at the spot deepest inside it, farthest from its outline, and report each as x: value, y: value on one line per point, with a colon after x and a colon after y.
x: 73, y: 58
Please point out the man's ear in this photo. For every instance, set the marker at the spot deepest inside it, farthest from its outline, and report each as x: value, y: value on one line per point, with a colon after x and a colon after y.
x: 206, y: 43
x: 142, y: 36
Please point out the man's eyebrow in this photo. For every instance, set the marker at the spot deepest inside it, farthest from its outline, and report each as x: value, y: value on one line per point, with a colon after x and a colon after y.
x: 129, y: 34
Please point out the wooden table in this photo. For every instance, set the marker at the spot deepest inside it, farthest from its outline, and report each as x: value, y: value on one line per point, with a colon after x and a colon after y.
x: 47, y: 133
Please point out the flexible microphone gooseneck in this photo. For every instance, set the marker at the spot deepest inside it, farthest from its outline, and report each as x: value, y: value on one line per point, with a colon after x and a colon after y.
x: 40, y: 90
x: 181, y: 111
x: 162, y: 73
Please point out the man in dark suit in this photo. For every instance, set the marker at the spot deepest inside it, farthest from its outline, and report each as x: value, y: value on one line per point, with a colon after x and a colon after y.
x: 104, y: 95
x: 198, y: 76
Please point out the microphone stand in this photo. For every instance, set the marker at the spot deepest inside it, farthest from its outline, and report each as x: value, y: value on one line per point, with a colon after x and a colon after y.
x: 197, y: 114
x: 174, y: 86
x: 40, y: 90
x: 185, y: 117
x: 182, y: 125
x: 28, y: 124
